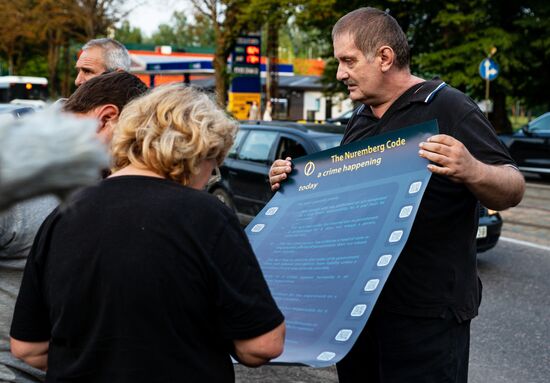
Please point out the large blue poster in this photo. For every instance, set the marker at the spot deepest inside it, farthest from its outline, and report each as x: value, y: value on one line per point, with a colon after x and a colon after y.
x: 327, y: 241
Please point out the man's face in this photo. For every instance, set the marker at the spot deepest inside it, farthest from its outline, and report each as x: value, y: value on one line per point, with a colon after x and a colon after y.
x: 89, y: 65
x: 362, y: 77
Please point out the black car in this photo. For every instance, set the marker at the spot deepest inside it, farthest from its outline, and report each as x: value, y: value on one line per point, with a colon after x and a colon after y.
x: 530, y: 146
x: 244, y: 184
x: 488, y: 230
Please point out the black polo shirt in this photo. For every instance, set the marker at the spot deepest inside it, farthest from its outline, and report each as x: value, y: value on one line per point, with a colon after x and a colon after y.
x: 436, y: 272
x: 140, y: 279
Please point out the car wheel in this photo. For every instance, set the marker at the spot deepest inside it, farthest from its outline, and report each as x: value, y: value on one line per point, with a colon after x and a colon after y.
x: 224, y: 198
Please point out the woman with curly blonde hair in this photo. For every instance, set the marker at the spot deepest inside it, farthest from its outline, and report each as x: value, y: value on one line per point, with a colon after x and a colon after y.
x: 173, y: 132
x: 145, y: 277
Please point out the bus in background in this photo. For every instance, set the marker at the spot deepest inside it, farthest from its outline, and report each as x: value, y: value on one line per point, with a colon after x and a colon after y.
x: 23, y: 88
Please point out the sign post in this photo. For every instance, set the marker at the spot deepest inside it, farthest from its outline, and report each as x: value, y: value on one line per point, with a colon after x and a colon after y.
x: 488, y: 70
x: 245, y: 84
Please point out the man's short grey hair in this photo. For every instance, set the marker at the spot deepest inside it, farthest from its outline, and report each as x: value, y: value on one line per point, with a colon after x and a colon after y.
x: 115, y: 54
x: 370, y: 28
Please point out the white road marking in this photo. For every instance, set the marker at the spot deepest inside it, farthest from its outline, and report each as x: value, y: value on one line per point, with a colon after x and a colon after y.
x: 525, y: 243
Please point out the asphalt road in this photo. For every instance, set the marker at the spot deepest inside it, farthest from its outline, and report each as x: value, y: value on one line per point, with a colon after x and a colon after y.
x: 510, y: 340
x: 511, y: 336
x: 530, y: 220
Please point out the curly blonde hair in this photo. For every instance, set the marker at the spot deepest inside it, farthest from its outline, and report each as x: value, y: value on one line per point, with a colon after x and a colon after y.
x: 170, y: 131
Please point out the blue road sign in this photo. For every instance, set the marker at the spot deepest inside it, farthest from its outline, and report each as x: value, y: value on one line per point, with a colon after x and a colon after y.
x: 488, y: 69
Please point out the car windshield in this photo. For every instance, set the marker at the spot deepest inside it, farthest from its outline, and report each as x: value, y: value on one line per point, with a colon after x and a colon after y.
x: 6, y: 108
x: 327, y: 142
x: 541, y: 124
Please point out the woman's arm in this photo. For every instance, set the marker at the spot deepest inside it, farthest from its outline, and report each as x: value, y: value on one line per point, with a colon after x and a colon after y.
x: 33, y: 353
x: 261, y: 349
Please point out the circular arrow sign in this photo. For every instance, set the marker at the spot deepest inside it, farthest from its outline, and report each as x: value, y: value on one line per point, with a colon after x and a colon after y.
x: 488, y: 69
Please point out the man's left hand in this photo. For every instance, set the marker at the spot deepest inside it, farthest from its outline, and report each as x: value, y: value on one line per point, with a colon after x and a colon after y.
x: 450, y: 158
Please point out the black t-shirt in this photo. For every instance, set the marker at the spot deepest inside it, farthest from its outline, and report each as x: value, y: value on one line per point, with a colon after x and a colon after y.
x: 437, y: 272
x: 139, y: 279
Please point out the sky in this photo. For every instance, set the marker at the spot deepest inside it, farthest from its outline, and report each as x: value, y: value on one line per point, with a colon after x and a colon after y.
x: 149, y: 14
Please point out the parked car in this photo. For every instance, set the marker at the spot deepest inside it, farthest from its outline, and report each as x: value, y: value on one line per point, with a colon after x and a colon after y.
x: 342, y: 119
x: 488, y: 230
x: 244, y: 183
x: 530, y: 146
x: 16, y: 110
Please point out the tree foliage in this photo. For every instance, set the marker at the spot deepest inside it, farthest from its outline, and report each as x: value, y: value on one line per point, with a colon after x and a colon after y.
x: 35, y: 30
x: 182, y: 32
x: 450, y: 39
x: 231, y: 18
x: 127, y: 34
x: 13, y: 37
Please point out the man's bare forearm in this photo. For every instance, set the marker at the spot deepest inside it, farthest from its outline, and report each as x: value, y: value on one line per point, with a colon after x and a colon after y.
x: 498, y: 187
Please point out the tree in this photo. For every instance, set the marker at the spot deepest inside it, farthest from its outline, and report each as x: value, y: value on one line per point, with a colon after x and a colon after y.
x: 96, y: 17
x: 228, y: 23
x: 13, y: 36
x: 54, y: 31
x: 54, y: 24
x: 177, y: 33
x: 531, y: 77
x: 461, y: 35
x: 231, y: 18
x: 182, y: 32
x: 272, y: 14
x: 202, y: 31
x: 31, y: 30
x: 449, y: 39
x: 127, y: 34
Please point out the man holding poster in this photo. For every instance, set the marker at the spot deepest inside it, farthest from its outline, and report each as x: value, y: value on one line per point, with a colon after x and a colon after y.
x: 420, y: 327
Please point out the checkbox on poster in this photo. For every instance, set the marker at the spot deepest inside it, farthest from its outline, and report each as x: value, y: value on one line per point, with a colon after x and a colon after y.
x: 358, y: 310
x: 272, y: 210
x: 384, y: 260
x: 326, y: 356
x: 395, y: 236
x: 257, y: 228
x: 343, y: 335
x: 372, y: 285
x: 415, y: 187
x: 405, y: 211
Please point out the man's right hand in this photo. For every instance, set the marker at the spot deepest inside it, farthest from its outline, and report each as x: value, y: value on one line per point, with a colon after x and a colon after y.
x: 279, y: 172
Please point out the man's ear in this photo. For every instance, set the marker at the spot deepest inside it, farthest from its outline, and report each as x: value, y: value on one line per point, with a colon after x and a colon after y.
x: 108, y: 116
x: 387, y: 57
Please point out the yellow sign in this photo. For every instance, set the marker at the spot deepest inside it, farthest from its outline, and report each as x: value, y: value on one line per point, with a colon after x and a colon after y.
x: 239, y: 104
